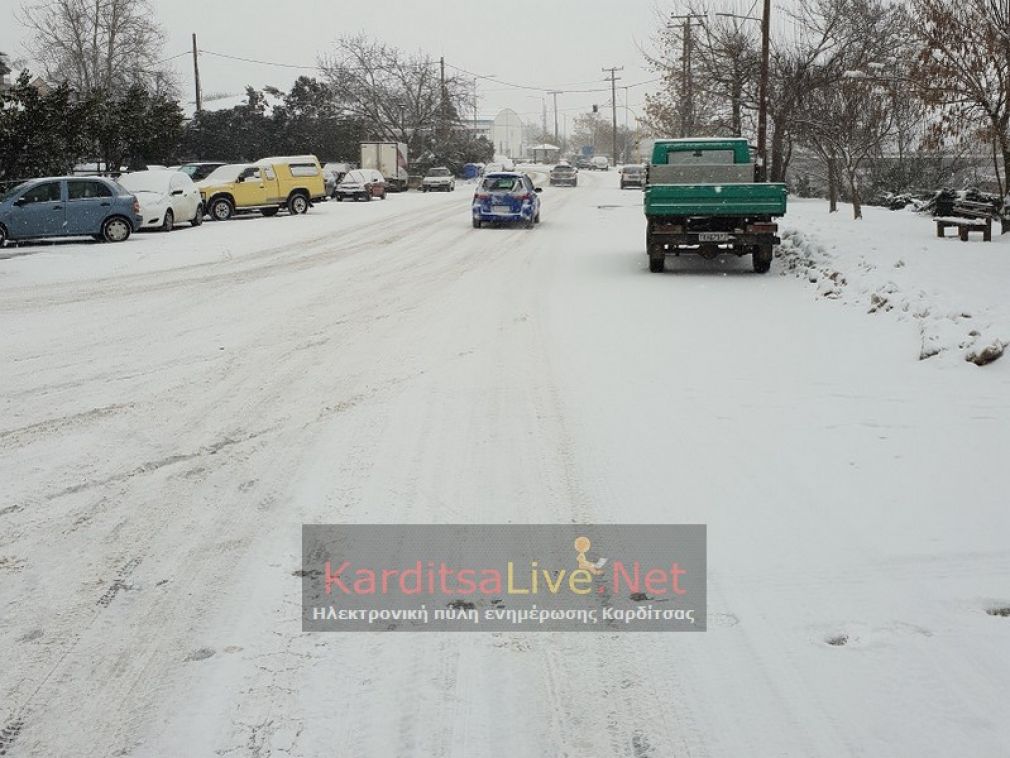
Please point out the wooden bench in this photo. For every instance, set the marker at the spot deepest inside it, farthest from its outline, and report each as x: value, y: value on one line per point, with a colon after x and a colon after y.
x: 970, y: 215
x: 964, y: 226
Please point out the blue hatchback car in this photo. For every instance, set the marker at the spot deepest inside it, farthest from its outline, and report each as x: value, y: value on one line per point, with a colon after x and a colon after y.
x: 68, y: 206
x: 506, y: 196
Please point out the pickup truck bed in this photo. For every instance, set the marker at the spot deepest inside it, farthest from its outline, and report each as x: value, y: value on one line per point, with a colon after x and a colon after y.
x: 737, y: 200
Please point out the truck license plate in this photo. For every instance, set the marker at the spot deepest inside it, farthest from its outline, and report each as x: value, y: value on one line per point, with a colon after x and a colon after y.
x: 713, y: 237
x: 501, y: 209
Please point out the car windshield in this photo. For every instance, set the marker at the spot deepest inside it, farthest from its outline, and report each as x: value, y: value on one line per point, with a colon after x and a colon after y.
x: 563, y: 169
x: 227, y: 173
x: 12, y: 192
x: 502, y: 183
x: 439, y: 172
x: 146, y: 181
x: 354, y: 177
x: 632, y: 169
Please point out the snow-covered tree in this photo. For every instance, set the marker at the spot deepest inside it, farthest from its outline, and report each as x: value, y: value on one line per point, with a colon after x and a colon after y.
x: 96, y: 44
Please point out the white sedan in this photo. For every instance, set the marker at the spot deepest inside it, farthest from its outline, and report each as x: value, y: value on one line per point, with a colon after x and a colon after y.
x: 166, y: 198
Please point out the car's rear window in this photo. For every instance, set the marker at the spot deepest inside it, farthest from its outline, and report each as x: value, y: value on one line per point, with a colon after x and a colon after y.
x: 439, y: 172
x: 501, y: 183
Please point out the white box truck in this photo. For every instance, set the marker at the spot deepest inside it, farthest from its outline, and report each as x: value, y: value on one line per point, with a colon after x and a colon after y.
x: 389, y: 159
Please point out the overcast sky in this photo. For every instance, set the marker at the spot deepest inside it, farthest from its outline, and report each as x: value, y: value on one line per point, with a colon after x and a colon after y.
x: 559, y: 44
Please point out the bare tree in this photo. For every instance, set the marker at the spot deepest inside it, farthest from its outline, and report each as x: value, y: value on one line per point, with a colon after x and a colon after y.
x: 96, y: 44
x: 963, y: 68
x: 396, y: 96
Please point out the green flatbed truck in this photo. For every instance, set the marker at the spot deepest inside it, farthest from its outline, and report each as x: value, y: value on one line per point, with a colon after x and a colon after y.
x: 701, y: 197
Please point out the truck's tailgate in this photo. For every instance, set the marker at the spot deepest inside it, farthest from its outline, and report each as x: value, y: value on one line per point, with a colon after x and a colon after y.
x: 758, y: 199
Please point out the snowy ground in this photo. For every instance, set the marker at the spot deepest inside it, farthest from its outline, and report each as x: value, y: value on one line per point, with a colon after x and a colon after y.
x: 175, y: 408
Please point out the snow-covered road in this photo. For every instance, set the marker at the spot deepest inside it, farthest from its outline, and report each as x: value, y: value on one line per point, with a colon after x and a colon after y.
x: 175, y: 408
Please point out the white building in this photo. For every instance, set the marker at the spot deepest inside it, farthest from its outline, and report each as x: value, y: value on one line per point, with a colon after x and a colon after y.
x: 507, y: 134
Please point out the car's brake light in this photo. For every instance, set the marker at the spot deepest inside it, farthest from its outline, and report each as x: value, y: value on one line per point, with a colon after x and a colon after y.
x: 483, y: 195
x: 136, y: 206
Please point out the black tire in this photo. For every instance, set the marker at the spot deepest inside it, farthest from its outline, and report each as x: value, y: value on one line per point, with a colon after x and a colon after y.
x: 657, y: 264
x: 762, y: 258
x: 528, y: 223
x: 198, y: 218
x: 298, y: 204
x: 3, y: 236
x: 477, y: 223
x: 269, y: 212
x: 367, y: 197
x: 221, y: 209
x: 536, y: 218
x: 116, y: 229
x: 424, y: 190
x: 169, y: 222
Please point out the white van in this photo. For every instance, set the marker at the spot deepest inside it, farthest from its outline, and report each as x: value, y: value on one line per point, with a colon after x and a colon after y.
x: 600, y: 163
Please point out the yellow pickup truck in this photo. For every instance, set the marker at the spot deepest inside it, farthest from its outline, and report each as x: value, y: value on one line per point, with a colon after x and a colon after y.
x: 293, y: 182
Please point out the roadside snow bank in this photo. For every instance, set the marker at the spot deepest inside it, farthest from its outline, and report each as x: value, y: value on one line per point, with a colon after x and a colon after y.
x: 890, y: 263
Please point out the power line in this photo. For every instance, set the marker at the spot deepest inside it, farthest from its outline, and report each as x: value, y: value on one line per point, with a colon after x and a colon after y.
x: 261, y: 63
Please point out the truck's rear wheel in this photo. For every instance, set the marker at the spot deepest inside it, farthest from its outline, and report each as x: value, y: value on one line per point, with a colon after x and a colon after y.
x: 657, y: 263
x: 762, y: 258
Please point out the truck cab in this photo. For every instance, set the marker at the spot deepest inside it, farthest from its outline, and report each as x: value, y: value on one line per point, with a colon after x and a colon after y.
x: 701, y: 197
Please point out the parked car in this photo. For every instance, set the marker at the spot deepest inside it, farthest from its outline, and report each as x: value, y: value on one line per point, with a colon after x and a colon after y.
x: 332, y: 174
x: 632, y: 175
x: 199, y: 171
x: 66, y: 206
x: 439, y: 178
x: 266, y: 186
x: 506, y: 196
x: 362, y: 184
x: 563, y: 174
x: 166, y: 198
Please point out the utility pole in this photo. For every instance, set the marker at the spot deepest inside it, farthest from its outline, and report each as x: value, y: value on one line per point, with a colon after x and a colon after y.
x: 196, y: 76
x: 761, y: 174
x: 442, y: 118
x: 613, y: 102
x: 687, y: 77
x: 555, y: 93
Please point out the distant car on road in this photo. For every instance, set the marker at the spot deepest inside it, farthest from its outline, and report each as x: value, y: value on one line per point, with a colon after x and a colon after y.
x: 362, y: 184
x: 506, y: 196
x: 600, y: 163
x: 67, y: 206
x: 439, y: 178
x: 583, y: 162
x: 632, y: 175
x: 563, y: 174
x: 166, y: 198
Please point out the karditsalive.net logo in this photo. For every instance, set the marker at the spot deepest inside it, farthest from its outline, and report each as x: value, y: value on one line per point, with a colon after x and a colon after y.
x: 428, y: 577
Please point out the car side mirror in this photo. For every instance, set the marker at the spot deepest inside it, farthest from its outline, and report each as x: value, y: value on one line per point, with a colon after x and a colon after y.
x: 538, y: 189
